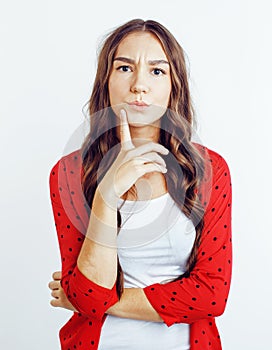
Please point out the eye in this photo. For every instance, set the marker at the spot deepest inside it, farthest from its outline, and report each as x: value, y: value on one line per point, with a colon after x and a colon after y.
x: 158, y: 71
x: 124, y: 68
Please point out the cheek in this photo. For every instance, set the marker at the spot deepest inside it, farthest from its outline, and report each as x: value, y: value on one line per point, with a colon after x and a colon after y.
x: 110, y: 85
x: 115, y: 90
x: 164, y: 94
x: 168, y: 92
x: 115, y: 96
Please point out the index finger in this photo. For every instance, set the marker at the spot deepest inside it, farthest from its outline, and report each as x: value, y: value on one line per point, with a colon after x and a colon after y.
x: 125, y: 136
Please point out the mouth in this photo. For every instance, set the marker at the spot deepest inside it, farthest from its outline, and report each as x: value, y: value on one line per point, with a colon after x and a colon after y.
x: 138, y: 105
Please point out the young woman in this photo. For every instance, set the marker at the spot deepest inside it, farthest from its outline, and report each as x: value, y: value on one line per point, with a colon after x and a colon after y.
x: 142, y: 213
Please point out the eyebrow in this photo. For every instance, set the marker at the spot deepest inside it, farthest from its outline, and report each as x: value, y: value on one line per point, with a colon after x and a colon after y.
x: 131, y: 61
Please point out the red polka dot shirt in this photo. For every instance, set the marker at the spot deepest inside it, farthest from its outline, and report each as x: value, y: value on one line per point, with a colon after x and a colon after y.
x: 195, y: 300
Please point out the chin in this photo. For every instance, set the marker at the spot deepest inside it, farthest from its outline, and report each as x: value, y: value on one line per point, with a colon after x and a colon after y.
x: 144, y: 123
x: 138, y: 124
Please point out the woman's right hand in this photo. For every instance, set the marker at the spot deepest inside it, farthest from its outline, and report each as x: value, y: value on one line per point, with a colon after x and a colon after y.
x: 131, y: 163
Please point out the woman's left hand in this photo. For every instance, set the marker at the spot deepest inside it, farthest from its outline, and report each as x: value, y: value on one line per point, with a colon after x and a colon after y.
x: 60, y: 299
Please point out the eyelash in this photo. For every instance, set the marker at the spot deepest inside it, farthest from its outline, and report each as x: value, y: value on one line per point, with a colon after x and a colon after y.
x: 161, y: 70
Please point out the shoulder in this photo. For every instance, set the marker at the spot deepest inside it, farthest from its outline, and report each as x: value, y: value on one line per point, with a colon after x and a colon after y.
x: 216, y: 183
x: 213, y: 160
x: 71, y: 161
x: 66, y: 191
x: 215, y: 188
x: 66, y: 172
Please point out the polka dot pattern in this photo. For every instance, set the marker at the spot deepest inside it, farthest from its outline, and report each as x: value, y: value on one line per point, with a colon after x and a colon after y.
x: 202, y: 296
x: 196, y: 299
x: 71, y: 220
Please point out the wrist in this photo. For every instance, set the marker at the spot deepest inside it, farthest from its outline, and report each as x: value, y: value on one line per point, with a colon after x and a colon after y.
x: 107, y: 196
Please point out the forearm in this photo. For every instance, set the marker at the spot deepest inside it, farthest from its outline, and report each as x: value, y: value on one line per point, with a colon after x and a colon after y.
x: 134, y: 305
x: 98, y: 256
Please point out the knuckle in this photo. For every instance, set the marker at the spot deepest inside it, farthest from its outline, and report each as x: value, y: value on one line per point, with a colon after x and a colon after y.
x: 134, y: 162
x: 156, y: 146
x: 54, y: 294
x: 129, y: 154
x: 138, y: 169
x: 125, y: 158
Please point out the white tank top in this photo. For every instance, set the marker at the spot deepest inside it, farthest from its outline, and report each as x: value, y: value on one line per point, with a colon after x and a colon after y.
x: 154, y: 243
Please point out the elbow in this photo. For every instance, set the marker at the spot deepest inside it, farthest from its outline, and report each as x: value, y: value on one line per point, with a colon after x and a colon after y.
x: 219, y: 310
x: 74, y: 297
x: 216, y: 299
x: 83, y: 302
x: 217, y: 306
x: 90, y: 299
x: 214, y: 303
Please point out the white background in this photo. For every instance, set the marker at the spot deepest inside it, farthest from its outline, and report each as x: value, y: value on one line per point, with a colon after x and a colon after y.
x: 48, y: 60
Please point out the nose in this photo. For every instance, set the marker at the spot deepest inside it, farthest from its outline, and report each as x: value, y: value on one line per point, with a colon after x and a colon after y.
x: 139, y: 84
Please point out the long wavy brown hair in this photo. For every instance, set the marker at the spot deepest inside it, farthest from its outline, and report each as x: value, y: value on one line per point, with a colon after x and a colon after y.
x: 175, y: 132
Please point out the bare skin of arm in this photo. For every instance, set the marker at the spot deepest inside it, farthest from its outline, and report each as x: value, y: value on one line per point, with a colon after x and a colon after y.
x: 100, y: 247
x: 93, y: 255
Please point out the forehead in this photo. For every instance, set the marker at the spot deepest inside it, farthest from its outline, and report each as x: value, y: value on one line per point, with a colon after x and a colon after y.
x: 139, y: 43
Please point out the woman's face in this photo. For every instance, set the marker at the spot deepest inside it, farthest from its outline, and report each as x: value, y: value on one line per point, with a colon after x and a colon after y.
x: 140, y: 79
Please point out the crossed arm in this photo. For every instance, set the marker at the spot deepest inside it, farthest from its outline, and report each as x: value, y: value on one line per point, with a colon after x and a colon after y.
x: 133, y: 303
x: 202, y: 295
x: 77, y: 286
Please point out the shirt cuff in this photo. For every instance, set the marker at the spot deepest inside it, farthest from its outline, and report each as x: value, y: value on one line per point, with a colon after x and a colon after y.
x: 88, y: 297
x: 153, y: 295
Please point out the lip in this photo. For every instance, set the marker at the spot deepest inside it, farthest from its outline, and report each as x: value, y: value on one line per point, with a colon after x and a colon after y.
x: 138, y: 103
x: 138, y: 106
